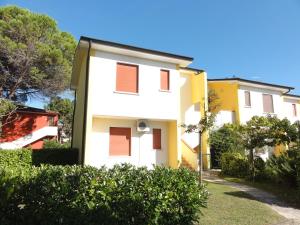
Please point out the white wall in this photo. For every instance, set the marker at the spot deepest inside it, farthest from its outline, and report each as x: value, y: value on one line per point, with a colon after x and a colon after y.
x: 142, y: 153
x: 288, y: 109
x: 189, y: 112
x: 256, y: 109
x: 150, y: 102
x: 224, y: 117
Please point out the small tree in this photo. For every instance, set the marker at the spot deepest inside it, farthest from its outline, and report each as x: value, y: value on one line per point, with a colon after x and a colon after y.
x: 205, y: 123
x: 266, y: 131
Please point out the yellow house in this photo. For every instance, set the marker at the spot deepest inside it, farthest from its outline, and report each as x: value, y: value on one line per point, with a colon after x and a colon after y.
x: 131, y: 103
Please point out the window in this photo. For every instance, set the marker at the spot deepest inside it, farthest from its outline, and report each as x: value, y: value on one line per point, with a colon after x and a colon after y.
x: 164, y: 80
x: 294, y: 109
x: 127, y: 78
x: 119, y: 141
x: 156, y: 138
x: 51, y: 121
x: 247, y: 98
x: 268, y: 103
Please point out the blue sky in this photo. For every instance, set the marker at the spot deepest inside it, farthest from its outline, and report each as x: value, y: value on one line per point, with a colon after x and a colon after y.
x: 254, y: 39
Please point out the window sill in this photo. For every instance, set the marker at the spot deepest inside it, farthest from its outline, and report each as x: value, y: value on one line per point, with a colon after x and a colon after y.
x: 126, y: 93
x: 247, y: 106
x: 167, y: 91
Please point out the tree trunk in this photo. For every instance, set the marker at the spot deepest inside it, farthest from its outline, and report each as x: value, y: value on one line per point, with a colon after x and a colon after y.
x: 251, y: 163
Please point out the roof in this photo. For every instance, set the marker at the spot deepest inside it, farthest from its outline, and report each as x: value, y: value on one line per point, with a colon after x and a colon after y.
x: 29, y: 109
x: 252, y: 82
x: 292, y: 95
x: 134, y: 48
x: 192, y: 69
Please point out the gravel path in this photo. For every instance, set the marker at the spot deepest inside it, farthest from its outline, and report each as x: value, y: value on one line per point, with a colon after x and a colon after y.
x: 291, y: 214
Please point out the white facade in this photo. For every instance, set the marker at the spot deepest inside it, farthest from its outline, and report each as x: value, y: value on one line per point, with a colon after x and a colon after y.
x: 142, y: 153
x: 256, y: 108
x: 288, y: 109
x: 150, y: 102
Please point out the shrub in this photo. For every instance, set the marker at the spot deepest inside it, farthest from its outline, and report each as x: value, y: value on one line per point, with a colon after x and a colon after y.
x: 234, y: 164
x: 85, y: 195
x: 18, y: 157
x: 53, y: 144
x: 26, y: 157
x: 284, y: 168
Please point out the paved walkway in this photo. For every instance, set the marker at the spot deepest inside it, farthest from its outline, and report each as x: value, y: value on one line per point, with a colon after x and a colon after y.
x: 291, y: 214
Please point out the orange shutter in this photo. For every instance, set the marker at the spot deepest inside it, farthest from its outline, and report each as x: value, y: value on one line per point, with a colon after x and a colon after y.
x: 156, y: 138
x: 268, y: 103
x: 127, y: 78
x: 164, y: 80
x: 119, y: 141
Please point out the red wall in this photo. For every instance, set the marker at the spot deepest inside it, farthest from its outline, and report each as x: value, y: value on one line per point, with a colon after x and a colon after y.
x: 25, y: 123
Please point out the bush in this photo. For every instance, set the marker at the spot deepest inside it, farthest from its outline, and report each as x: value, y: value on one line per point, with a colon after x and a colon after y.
x: 234, y: 164
x: 50, y: 195
x: 26, y: 157
x: 284, y: 168
x: 53, y: 144
x: 18, y: 157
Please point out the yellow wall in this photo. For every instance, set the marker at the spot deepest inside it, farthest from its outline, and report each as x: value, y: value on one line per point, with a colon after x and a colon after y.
x: 79, y: 109
x: 198, y: 86
x: 227, y: 92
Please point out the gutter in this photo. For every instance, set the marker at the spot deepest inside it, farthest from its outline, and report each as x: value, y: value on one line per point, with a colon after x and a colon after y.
x: 85, y: 103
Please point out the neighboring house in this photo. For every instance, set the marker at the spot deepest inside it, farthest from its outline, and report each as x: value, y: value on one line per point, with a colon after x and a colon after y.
x: 130, y: 103
x: 28, y: 127
x: 241, y: 99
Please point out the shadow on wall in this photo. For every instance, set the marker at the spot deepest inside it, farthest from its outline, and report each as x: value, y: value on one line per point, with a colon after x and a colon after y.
x: 18, y: 127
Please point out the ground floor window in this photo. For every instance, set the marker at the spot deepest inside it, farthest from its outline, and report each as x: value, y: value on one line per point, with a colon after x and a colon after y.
x: 156, y: 138
x: 119, y: 141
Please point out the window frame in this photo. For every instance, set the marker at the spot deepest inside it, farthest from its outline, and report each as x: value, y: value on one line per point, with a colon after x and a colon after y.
x: 154, y: 143
x: 272, y: 101
x: 250, y: 102
x: 169, y: 80
x: 130, y: 143
x: 137, y: 79
x: 294, y: 108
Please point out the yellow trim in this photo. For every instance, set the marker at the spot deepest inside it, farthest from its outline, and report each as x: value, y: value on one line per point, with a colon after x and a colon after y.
x: 172, y: 144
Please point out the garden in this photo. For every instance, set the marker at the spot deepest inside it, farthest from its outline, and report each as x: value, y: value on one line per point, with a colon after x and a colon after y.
x: 239, y: 150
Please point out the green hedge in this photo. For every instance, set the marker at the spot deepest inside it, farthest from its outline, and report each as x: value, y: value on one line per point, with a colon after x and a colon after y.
x: 50, y: 195
x: 27, y: 157
x: 234, y: 164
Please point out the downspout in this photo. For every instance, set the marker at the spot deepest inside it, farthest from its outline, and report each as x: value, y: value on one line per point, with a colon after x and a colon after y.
x: 74, y: 110
x: 85, y: 103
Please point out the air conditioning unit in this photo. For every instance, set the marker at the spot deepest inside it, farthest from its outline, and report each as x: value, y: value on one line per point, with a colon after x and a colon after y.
x: 142, y: 126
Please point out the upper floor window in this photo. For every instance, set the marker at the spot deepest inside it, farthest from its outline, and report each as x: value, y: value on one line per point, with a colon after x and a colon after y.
x: 268, y: 103
x: 51, y: 121
x: 165, y: 80
x: 127, y: 78
x: 247, y: 98
x: 294, y: 109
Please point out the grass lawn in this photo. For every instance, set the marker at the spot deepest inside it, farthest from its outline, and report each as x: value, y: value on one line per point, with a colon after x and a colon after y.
x: 284, y: 193
x: 229, y: 206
